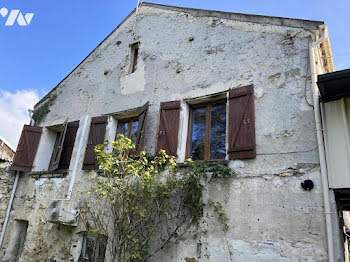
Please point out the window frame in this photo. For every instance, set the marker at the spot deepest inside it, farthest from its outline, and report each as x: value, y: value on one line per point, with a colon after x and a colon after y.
x: 208, y: 105
x: 130, y: 121
x: 137, y: 113
x: 58, y: 147
x: 100, y: 241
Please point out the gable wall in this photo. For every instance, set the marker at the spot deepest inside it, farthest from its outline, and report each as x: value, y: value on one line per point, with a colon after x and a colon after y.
x: 271, y: 217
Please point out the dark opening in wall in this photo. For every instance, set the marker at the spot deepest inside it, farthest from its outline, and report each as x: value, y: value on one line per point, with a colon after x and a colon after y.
x: 134, y: 52
x: 93, y: 248
x: 18, y: 238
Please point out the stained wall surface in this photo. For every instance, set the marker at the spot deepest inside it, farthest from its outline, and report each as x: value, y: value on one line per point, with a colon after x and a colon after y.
x: 184, y: 55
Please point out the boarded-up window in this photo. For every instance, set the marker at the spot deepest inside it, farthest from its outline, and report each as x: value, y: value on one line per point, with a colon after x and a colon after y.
x: 93, y: 248
x: 96, y: 137
x: 241, y: 123
x: 27, y: 147
x: 168, y: 127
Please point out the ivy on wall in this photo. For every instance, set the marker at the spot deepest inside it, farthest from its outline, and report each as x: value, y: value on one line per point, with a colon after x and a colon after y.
x: 40, y: 112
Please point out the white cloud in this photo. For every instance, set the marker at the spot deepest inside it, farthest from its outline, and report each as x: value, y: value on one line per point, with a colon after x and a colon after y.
x: 14, y: 112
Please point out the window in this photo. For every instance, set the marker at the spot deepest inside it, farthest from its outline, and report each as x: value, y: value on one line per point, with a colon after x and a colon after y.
x: 128, y: 128
x: 207, y: 131
x: 93, y: 248
x: 222, y: 126
x: 131, y: 123
x: 63, y: 147
x: 134, y: 52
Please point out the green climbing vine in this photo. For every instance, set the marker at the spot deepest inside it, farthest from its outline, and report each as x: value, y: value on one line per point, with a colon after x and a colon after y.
x: 145, y: 203
x: 40, y: 112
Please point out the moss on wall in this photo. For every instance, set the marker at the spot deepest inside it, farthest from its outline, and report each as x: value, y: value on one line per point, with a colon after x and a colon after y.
x: 40, y: 112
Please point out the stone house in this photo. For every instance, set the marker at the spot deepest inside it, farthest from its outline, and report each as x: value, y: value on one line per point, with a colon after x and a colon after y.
x: 7, y: 152
x: 162, y: 72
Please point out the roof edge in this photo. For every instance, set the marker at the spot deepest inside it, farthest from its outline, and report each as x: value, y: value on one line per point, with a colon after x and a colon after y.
x: 273, y: 20
x: 93, y: 50
x: 8, y: 144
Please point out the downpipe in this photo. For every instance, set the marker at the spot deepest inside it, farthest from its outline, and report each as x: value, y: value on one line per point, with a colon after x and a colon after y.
x: 321, y: 150
x: 8, y: 211
x: 9, y: 208
x: 77, y: 159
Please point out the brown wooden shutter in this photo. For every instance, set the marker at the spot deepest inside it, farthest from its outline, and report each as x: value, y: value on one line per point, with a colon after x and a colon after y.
x: 96, y: 137
x: 27, y: 147
x: 68, y: 145
x: 241, y: 123
x: 57, y: 150
x: 168, y: 127
x: 140, y: 138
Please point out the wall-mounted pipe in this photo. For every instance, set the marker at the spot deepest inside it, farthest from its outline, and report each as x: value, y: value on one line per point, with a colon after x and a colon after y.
x: 9, y: 208
x: 321, y: 150
x: 77, y: 158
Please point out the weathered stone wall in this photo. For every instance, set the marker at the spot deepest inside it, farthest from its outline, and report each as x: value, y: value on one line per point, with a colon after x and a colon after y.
x: 187, y: 55
x: 6, y: 183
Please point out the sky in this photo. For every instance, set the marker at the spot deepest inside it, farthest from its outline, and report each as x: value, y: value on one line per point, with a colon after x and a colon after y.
x: 36, y: 57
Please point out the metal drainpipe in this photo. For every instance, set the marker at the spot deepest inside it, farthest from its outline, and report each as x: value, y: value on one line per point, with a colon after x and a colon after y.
x: 32, y: 122
x: 77, y: 159
x: 9, y: 208
x: 322, y: 155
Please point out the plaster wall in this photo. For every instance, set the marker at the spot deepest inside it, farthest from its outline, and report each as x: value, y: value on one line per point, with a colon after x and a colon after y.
x: 181, y: 57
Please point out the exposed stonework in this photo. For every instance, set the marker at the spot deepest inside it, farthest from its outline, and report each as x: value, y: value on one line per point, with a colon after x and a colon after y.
x: 6, y: 153
x: 6, y: 183
x: 184, y: 55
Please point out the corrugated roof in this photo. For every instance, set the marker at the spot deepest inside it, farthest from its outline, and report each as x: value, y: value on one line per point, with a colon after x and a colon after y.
x: 334, y: 85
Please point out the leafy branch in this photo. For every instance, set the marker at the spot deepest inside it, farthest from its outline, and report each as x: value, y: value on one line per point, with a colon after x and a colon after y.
x: 145, y: 203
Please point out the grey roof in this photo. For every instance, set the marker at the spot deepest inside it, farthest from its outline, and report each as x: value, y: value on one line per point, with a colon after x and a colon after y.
x: 335, y: 85
x: 262, y: 19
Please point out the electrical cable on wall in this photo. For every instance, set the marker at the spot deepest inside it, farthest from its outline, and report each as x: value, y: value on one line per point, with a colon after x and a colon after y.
x: 306, y: 80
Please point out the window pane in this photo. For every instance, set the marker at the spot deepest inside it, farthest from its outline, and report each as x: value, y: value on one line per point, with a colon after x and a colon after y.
x: 197, y: 133
x: 123, y: 128
x: 218, y: 131
x: 135, y: 126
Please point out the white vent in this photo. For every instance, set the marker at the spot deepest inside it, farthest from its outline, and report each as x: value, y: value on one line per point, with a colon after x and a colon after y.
x: 61, y: 212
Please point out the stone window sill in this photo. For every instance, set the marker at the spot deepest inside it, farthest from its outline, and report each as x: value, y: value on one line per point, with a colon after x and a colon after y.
x: 49, y: 174
x: 210, y: 163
